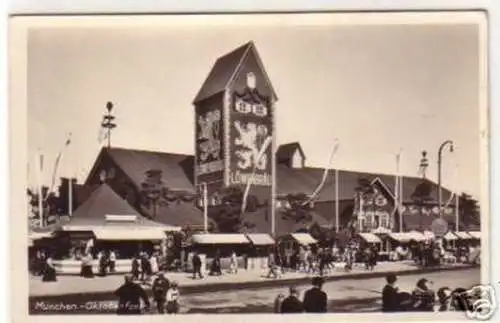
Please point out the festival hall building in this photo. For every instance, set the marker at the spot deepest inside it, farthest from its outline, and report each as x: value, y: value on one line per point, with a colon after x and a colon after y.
x: 235, y: 127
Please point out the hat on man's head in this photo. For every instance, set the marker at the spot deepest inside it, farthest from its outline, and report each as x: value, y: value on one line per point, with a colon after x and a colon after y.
x: 391, y: 278
x: 318, y: 281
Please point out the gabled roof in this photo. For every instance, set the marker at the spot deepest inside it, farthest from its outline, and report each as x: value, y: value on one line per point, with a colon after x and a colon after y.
x: 285, y: 152
x: 224, y: 70
x: 177, y: 169
x: 104, y: 201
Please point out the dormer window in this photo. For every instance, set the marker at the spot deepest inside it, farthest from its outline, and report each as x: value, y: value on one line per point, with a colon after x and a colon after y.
x: 297, y: 160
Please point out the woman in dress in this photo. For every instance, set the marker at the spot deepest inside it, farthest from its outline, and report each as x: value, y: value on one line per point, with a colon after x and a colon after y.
x: 153, y: 260
x: 86, y: 270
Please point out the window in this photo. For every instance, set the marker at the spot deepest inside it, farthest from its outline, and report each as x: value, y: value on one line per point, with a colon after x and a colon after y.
x: 384, y: 221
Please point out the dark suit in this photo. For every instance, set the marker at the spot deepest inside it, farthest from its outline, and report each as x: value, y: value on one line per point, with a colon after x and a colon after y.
x: 129, y: 298
x: 315, y: 301
x: 292, y: 304
x: 390, y: 299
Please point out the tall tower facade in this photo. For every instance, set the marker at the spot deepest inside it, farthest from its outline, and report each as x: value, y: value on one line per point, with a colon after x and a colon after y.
x: 235, y: 125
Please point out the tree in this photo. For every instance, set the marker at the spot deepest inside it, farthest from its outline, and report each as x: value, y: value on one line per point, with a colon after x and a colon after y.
x: 153, y: 191
x: 469, y: 211
x: 50, y: 204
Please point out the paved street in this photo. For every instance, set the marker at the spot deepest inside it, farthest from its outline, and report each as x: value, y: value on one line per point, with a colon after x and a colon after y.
x: 344, y: 296
x: 76, y: 284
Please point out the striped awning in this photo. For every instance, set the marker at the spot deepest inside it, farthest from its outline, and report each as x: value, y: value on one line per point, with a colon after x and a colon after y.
x: 475, y: 234
x: 260, y: 239
x: 463, y: 235
x: 370, y: 237
x: 219, y: 238
x: 450, y: 236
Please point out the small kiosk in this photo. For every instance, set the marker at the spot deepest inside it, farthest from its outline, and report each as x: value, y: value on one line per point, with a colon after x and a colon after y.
x: 261, y: 246
x: 209, y: 245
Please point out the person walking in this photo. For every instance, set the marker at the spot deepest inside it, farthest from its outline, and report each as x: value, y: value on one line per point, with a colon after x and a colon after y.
x: 271, y: 263
x: 197, y: 266
x: 129, y: 297
x: 135, y: 268
x: 292, y: 304
x: 233, y: 267
x: 112, y: 262
x: 173, y: 298
x: 160, y: 289
x: 145, y: 268
x: 315, y: 299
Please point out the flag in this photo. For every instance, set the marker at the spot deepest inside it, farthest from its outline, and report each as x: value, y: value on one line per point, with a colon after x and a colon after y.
x: 58, y: 160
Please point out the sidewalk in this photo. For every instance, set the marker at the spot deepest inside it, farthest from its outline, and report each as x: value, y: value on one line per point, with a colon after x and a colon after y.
x: 72, y: 285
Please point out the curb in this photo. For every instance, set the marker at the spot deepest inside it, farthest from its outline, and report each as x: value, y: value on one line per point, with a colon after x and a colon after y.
x: 231, y: 286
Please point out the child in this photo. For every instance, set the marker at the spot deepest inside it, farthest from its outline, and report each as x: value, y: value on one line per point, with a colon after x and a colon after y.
x: 173, y: 298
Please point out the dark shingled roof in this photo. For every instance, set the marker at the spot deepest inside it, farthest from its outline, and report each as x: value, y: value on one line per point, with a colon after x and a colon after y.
x: 177, y: 169
x: 104, y: 201
x: 223, y: 70
x: 181, y: 214
x: 177, y: 173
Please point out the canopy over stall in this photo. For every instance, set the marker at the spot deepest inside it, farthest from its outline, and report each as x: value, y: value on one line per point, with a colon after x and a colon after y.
x: 405, y: 237
x: 449, y: 236
x: 219, y: 238
x: 370, y: 238
x: 429, y: 235
x: 304, y: 239
x: 463, y: 235
x: 475, y: 234
x: 260, y: 239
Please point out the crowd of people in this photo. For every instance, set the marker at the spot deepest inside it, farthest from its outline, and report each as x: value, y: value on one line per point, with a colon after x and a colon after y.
x: 424, y: 298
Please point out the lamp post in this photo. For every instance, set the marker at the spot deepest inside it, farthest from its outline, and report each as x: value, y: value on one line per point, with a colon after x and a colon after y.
x: 440, y: 153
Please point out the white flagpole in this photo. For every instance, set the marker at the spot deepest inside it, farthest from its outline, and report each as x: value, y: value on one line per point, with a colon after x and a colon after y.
x: 457, y: 213
x: 39, y: 170
x: 337, y: 207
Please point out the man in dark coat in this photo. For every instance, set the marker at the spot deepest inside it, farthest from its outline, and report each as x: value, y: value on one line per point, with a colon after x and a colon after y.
x: 390, y: 296
x: 292, y: 304
x: 315, y: 300
x: 129, y: 297
x: 197, y: 266
x: 160, y: 288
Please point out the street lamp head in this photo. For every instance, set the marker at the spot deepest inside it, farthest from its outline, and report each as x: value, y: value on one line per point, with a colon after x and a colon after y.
x: 424, y: 153
x: 451, y: 147
x: 109, y: 106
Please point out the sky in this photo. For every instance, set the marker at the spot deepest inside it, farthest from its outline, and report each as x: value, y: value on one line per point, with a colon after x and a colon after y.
x: 377, y: 88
